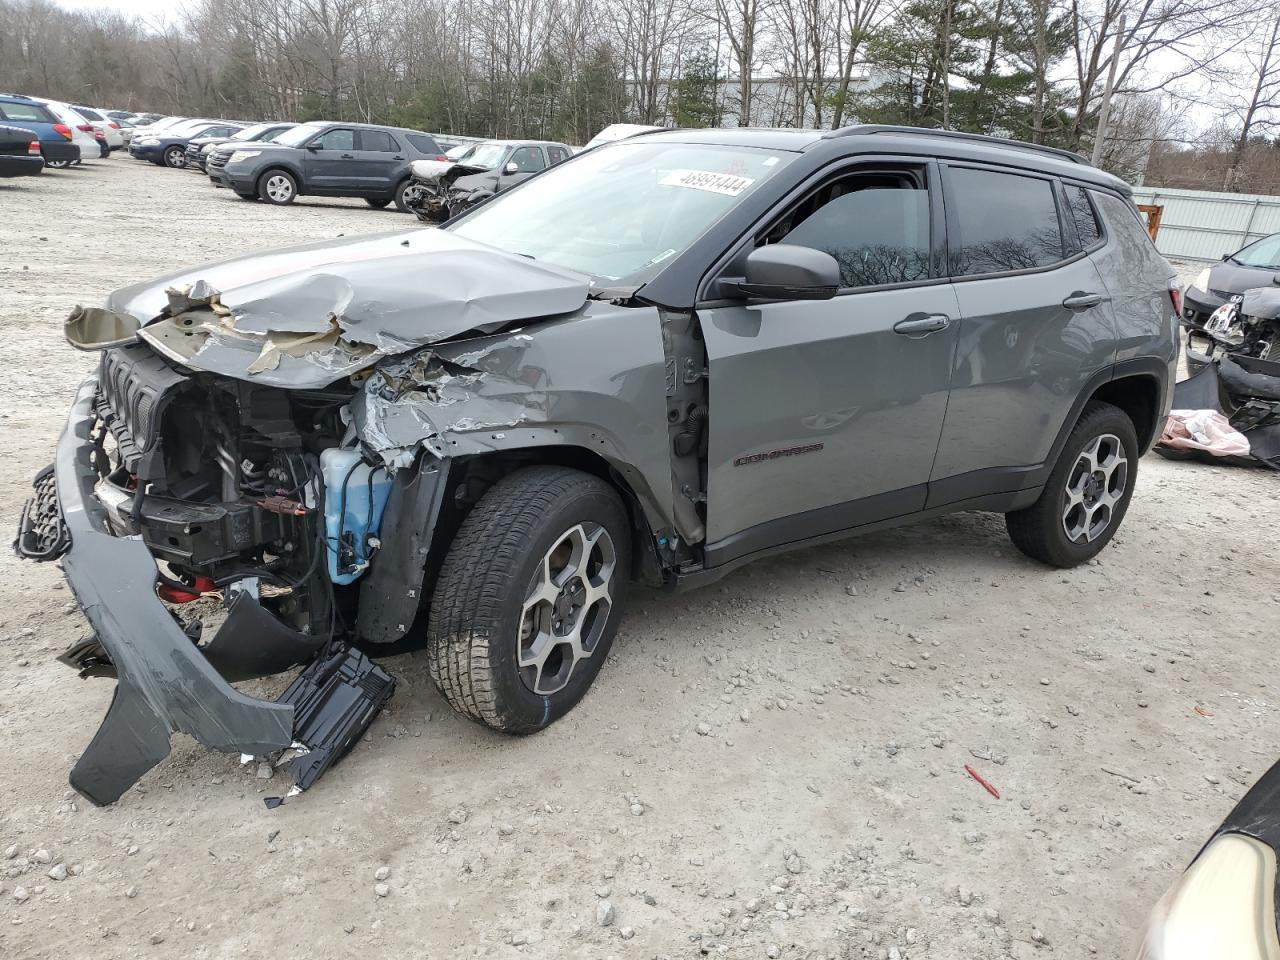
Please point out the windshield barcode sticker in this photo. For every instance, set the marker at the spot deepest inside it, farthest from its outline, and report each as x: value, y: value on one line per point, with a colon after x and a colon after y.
x: 723, y: 183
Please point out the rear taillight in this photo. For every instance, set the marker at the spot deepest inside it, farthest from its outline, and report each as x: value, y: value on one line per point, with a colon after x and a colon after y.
x: 1175, y: 294
x: 114, y: 125
x: 442, y: 157
x: 63, y: 129
x: 33, y: 148
x: 98, y: 134
x: 86, y: 127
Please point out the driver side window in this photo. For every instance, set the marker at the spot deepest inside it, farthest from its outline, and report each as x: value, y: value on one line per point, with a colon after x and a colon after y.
x: 874, y: 223
x: 336, y: 140
x: 528, y: 159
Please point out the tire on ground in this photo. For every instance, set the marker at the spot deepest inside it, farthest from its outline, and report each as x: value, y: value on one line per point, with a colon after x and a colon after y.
x: 1038, y: 530
x: 266, y: 178
x: 473, y: 632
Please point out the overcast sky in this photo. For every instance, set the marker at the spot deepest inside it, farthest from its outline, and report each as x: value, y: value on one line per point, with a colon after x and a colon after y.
x: 143, y: 8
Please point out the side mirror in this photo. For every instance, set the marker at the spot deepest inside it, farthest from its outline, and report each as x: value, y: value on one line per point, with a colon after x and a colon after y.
x: 313, y: 146
x: 784, y: 271
x: 511, y: 167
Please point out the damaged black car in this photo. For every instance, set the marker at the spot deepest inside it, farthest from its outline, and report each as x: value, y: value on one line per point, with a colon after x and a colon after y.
x: 655, y: 362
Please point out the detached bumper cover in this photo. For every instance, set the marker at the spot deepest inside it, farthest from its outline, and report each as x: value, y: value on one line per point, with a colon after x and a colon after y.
x: 164, y: 683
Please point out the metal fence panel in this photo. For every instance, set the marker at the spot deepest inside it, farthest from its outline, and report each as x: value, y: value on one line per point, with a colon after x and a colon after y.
x: 1202, y: 225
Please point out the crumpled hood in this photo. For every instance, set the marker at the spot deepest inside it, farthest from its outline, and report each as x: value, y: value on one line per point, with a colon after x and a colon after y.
x: 308, y: 315
x: 1232, y: 278
x: 427, y: 169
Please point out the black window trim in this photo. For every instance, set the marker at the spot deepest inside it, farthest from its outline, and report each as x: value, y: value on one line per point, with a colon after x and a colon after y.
x: 948, y: 188
x: 816, y: 180
x: 38, y: 107
x: 1097, y: 216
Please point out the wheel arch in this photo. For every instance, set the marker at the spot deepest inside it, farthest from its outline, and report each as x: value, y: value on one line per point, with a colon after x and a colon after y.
x: 1138, y: 395
x: 483, y: 469
x: 283, y: 168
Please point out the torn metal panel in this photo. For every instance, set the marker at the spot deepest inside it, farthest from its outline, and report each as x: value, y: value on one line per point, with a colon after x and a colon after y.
x: 96, y: 328
x: 307, y: 316
x: 596, y: 381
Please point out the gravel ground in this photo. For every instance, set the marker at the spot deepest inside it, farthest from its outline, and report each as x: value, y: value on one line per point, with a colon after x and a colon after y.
x: 771, y: 767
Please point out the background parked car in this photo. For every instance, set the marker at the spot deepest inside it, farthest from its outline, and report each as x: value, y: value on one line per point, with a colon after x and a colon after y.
x: 57, y: 141
x: 19, y: 152
x: 198, y: 149
x: 92, y: 142
x: 503, y: 164
x: 325, y: 159
x: 1255, y: 265
x: 109, y: 127
x: 168, y: 148
x: 619, y: 131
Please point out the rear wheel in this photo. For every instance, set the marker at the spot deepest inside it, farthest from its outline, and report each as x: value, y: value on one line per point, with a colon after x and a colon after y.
x: 57, y: 164
x: 278, y: 187
x: 529, y: 597
x: 1087, y: 493
x: 401, y: 191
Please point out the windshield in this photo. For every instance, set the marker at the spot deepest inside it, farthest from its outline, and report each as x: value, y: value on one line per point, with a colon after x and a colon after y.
x: 622, y: 208
x: 1261, y: 253
x: 462, y: 152
x: 298, y: 135
x: 486, y: 155
x: 252, y: 133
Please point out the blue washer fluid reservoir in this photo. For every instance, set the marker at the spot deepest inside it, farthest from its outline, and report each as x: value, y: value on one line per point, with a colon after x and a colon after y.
x: 348, y: 553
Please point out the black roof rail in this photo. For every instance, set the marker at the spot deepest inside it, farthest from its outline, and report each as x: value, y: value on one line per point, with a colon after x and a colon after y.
x: 864, y: 129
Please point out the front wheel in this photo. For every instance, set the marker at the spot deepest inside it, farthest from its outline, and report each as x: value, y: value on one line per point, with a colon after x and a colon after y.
x: 175, y: 157
x: 406, y: 194
x: 1087, y: 493
x: 278, y: 187
x: 528, y: 598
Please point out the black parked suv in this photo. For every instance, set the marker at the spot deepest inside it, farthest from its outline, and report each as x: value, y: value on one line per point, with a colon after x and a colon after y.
x: 325, y: 160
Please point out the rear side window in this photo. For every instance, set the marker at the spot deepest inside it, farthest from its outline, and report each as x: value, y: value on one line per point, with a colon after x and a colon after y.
x: 89, y: 114
x: 424, y: 144
x: 1083, y: 217
x: 557, y: 154
x: 31, y: 112
x: 1000, y: 222
x: 875, y: 225
x: 377, y: 140
x: 337, y: 140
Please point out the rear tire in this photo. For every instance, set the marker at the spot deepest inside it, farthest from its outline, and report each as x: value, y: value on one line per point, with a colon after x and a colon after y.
x: 400, y: 201
x: 57, y: 164
x: 1087, y: 494
x: 278, y: 187
x: 529, y: 597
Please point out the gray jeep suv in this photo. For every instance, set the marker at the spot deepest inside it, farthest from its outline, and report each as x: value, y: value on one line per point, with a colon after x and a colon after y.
x: 657, y: 361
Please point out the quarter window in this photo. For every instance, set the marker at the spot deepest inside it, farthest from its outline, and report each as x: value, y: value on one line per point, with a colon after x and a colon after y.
x: 1083, y: 217
x: 1001, y: 222
x: 337, y: 140
x: 875, y: 225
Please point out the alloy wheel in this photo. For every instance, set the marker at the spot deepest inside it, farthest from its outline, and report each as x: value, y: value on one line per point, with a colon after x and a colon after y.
x: 1095, y: 485
x: 175, y: 157
x: 566, y: 607
x: 279, y: 188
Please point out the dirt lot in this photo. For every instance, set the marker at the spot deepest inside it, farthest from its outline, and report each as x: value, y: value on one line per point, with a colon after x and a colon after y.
x: 825, y: 813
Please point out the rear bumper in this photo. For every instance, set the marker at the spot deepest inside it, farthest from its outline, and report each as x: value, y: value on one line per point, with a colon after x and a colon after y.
x: 165, y: 684
x: 60, y: 149
x: 21, y: 166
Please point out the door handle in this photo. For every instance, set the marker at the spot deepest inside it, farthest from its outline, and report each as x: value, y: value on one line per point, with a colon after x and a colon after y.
x: 347, y: 156
x: 397, y: 157
x: 1082, y: 301
x: 917, y: 325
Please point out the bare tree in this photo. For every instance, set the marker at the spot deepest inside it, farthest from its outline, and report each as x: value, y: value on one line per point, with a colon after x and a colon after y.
x: 1259, y: 109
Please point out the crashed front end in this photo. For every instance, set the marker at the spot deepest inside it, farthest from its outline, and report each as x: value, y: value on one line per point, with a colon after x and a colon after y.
x: 214, y: 504
x: 213, y: 463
